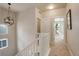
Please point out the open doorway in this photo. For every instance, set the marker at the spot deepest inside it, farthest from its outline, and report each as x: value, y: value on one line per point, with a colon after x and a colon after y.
x: 59, y: 48
x: 58, y: 30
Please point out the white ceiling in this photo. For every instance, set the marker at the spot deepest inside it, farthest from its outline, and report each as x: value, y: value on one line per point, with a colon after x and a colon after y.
x: 19, y: 7
x: 44, y: 6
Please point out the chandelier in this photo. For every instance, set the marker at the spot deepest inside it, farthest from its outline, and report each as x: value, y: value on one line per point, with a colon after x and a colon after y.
x: 8, y: 20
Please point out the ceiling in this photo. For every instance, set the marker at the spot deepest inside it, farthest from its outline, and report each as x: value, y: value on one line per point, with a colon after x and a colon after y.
x: 43, y: 7
x: 19, y: 7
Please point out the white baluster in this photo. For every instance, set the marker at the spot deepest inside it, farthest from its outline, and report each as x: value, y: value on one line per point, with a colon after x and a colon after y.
x: 30, y: 50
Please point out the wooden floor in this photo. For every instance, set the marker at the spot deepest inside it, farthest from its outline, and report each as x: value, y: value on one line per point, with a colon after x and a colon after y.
x: 59, y: 49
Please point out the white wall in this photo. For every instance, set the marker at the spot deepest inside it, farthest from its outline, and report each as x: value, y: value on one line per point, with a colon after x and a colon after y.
x: 48, y: 17
x: 43, y: 37
x: 73, y: 35
x: 38, y: 17
x: 26, y: 28
x: 12, y: 46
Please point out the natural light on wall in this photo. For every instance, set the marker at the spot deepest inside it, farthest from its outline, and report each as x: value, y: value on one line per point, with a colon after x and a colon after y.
x: 3, y: 29
x: 3, y: 32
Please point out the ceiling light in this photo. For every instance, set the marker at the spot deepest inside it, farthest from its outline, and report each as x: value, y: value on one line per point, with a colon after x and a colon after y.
x: 8, y: 19
x: 50, y: 7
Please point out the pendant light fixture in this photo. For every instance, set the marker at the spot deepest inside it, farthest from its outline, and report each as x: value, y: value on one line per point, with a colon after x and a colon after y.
x: 8, y: 20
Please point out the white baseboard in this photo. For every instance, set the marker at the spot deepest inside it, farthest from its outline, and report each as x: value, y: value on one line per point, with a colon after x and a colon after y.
x: 47, y: 54
x: 69, y: 49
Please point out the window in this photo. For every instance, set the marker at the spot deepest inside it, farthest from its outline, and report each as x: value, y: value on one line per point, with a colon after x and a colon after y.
x: 59, y: 19
x: 3, y: 29
x: 3, y: 43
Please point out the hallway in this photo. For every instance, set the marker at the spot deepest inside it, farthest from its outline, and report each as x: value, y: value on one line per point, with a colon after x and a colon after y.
x: 29, y: 29
x: 59, y: 49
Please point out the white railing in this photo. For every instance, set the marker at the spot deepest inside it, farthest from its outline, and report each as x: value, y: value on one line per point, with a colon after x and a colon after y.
x: 30, y: 50
x: 38, y: 47
x: 43, y: 47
